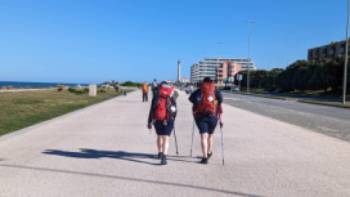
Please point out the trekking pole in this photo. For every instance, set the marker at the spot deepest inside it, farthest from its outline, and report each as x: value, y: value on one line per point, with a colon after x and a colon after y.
x: 222, y: 146
x: 192, y: 138
x: 176, y: 145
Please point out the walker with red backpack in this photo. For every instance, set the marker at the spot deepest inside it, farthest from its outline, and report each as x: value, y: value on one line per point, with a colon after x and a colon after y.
x: 165, y: 108
x: 208, y: 105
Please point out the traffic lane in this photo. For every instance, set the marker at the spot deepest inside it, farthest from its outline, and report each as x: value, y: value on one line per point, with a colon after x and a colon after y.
x: 284, y: 111
x: 334, y: 112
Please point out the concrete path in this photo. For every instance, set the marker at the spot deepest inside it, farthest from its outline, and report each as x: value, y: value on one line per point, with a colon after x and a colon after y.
x: 105, y: 150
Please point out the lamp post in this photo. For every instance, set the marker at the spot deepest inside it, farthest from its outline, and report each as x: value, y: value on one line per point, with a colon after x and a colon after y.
x: 249, y: 55
x: 346, y: 53
x: 178, y: 71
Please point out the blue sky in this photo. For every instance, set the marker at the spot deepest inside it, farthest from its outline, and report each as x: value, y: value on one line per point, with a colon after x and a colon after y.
x: 94, y: 41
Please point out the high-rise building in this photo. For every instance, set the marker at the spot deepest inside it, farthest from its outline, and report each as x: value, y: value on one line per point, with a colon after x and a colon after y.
x: 213, y: 68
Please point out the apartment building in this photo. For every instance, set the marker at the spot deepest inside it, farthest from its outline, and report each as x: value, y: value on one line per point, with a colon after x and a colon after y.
x: 218, y: 69
x: 332, y: 50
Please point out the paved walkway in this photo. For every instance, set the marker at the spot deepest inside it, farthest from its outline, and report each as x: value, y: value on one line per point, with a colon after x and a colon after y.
x: 105, y: 150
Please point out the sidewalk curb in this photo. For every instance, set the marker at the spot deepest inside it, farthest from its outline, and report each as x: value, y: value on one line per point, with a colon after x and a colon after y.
x: 324, y: 104
x: 259, y: 95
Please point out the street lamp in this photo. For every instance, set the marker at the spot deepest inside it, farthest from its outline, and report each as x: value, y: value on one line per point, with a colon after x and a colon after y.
x: 249, y: 58
x: 346, y: 53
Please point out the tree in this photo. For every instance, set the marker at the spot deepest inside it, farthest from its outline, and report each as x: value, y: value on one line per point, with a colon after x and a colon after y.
x: 301, y: 76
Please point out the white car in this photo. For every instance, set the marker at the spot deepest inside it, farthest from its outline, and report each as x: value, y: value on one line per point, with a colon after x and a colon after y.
x: 189, y: 89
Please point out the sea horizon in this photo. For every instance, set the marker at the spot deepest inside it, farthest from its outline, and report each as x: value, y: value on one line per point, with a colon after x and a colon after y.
x: 30, y: 84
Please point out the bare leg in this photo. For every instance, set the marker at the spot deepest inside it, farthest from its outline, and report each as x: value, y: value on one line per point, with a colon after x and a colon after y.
x: 165, y: 144
x: 204, y: 142
x: 210, y: 143
x: 160, y: 144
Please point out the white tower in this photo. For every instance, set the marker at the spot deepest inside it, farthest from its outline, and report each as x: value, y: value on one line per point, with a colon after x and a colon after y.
x: 178, y: 70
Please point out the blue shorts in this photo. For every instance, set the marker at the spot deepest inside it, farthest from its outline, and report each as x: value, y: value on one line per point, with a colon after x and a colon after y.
x: 164, y: 129
x: 206, y: 124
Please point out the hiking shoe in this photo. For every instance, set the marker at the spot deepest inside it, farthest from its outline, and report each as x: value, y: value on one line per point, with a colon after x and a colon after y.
x: 204, y: 161
x: 163, y: 160
x: 209, y: 155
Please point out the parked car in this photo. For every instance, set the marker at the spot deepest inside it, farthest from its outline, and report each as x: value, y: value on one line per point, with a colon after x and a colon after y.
x: 189, y: 89
x: 235, y: 89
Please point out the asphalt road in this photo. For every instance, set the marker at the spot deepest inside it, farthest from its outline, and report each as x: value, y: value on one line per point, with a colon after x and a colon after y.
x: 105, y: 150
x: 331, y: 121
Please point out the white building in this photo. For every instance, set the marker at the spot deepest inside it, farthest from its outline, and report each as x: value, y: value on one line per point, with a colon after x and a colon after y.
x: 184, y: 80
x: 208, y: 67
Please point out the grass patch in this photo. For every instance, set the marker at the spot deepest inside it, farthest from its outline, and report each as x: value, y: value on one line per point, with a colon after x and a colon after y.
x: 22, y: 109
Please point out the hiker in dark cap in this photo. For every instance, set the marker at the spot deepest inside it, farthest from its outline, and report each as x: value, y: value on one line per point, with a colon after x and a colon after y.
x: 162, y: 116
x: 207, y: 110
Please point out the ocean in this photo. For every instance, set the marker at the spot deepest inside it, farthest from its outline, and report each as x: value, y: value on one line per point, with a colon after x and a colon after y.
x: 34, y: 85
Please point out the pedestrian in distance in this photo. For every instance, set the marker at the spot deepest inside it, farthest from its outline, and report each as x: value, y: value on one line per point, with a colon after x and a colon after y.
x: 162, y: 116
x: 154, y: 87
x: 145, y: 92
x: 207, y: 110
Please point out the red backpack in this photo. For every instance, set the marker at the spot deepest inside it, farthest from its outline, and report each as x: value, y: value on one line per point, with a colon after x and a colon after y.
x: 208, y: 102
x: 161, y: 112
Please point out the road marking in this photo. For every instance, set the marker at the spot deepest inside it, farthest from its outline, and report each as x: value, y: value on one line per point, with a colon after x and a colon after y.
x: 232, y: 99
x: 328, y: 129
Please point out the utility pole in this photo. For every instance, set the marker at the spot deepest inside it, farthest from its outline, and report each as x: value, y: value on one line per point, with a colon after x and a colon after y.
x: 249, y: 53
x: 346, y: 53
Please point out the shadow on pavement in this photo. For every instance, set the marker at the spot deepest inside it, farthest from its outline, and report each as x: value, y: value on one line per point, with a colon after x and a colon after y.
x: 139, y: 180
x: 180, y: 158
x: 123, y: 155
x: 97, y: 154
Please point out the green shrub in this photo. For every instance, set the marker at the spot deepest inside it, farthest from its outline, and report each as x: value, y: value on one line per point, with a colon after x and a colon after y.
x: 131, y: 84
x: 60, y: 88
x: 102, y: 90
x: 78, y: 91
